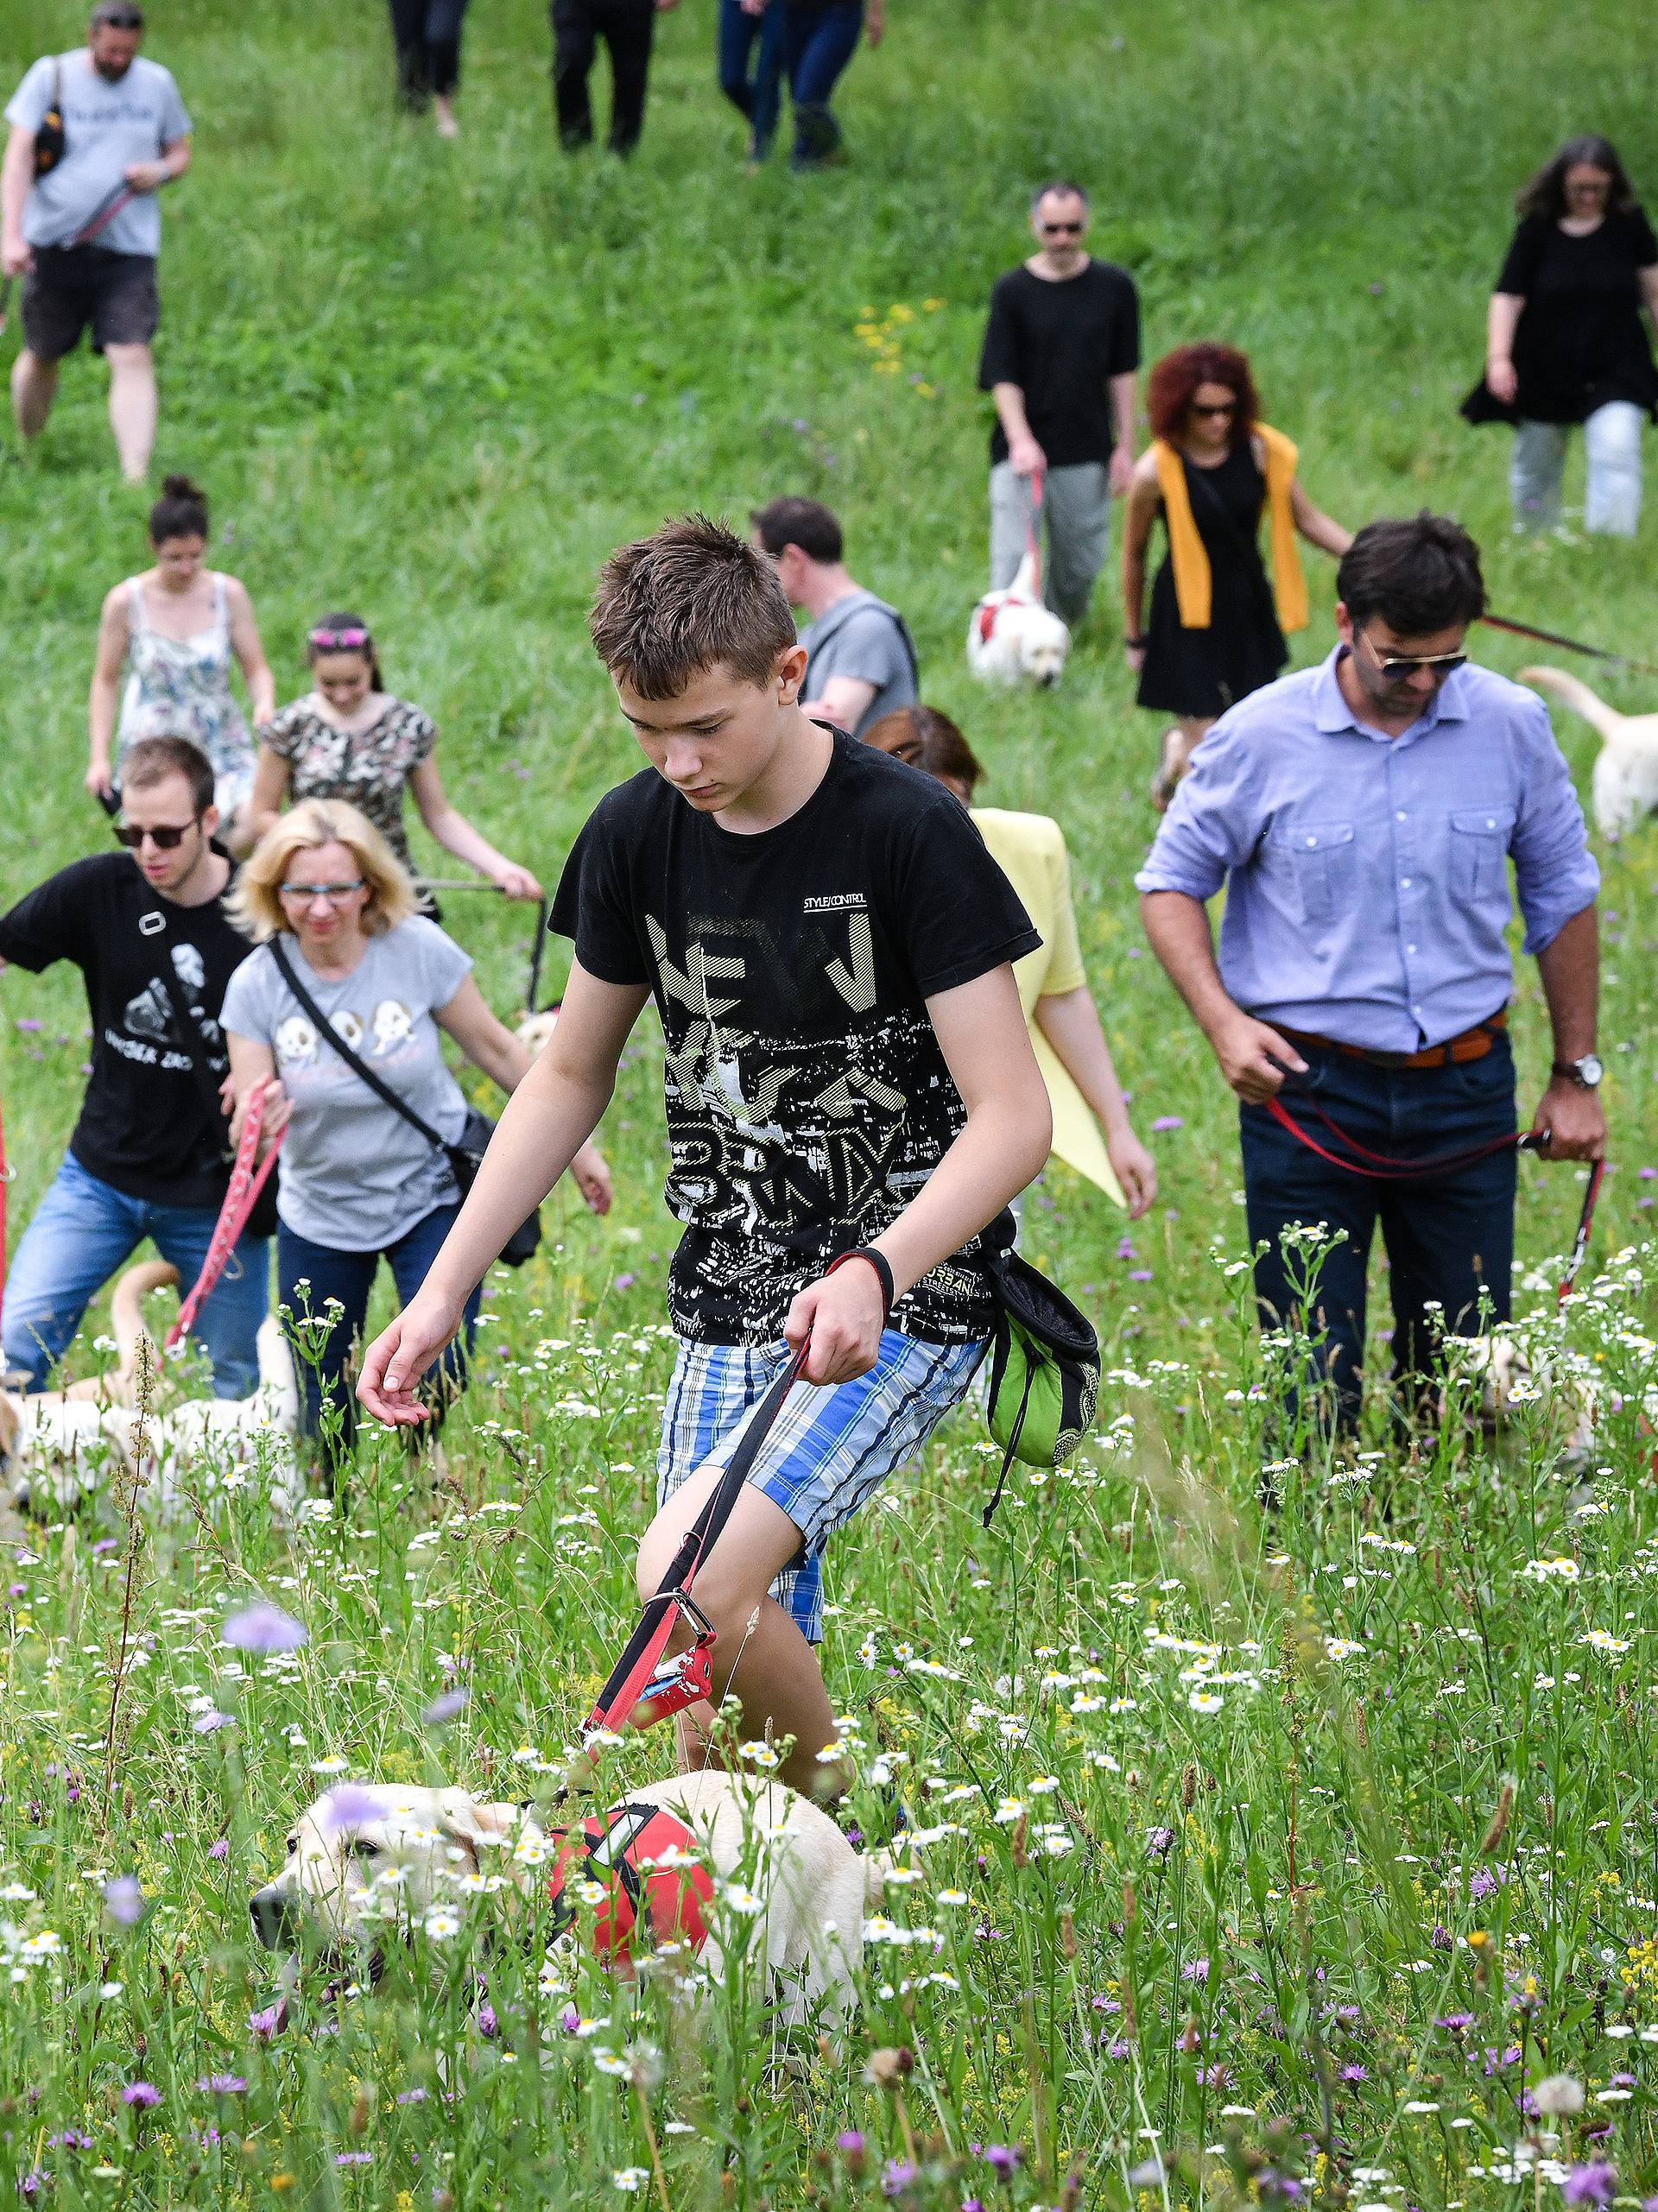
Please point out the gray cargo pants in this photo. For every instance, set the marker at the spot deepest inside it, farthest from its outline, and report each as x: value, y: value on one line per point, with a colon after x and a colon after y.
x: 1076, y: 517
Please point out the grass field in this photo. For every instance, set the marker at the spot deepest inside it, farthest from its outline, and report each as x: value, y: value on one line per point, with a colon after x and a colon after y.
x: 1260, y: 1859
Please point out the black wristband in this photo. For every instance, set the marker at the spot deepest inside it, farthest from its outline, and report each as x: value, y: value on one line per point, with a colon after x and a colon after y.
x: 883, y: 1273
x: 1134, y: 644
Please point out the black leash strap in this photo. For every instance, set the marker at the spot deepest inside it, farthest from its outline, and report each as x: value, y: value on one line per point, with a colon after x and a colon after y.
x: 1568, y: 644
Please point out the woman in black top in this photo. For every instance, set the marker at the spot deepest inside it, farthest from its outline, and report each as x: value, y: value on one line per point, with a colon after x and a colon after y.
x: 1565, y: 342
x: 1214, y: 460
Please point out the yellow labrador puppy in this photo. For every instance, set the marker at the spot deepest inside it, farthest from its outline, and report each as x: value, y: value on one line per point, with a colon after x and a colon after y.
x: 716, y: 1861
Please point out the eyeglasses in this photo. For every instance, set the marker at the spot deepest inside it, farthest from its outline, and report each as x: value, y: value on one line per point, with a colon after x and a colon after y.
x: 167, y: 836
x: 337, y: 641
x: 1063, y: 230
x: 1395, y: 665
x: 1224, y: 406
x: 307, y: 894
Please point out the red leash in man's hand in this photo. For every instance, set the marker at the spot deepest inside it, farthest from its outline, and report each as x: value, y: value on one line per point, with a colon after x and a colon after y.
x: 1033, y: 530
x: 1381, y: 1167
x: 245, y: 1184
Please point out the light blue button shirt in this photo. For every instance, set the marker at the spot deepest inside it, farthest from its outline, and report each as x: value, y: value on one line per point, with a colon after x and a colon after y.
x: 1366, y: 877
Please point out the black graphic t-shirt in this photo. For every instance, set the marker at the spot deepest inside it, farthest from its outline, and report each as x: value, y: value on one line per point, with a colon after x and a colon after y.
x: 808, y: 1098
x: 155, y: 974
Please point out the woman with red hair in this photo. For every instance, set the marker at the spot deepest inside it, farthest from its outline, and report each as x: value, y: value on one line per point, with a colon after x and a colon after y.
x: 1216, y: 632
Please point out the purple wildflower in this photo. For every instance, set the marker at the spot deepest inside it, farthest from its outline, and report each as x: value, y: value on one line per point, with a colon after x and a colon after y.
x: 411, y: 2096
x: 211, y: 1722
x: 1354, y: 2072
x: 1003, y: 2159
x: 1139, y: 1274
x: 266, y: 2023
x: 349, y: 1805
x: 32, y: 1027
x: 124, y: 1901
x: 1195, y: 1969
x: 448, y: 1706
x: 1594, y: 2184
x: 849, y: 2140
x: 222, y: 2085
x: 1441, y: 1939
x: 219, y: 1850
x: 1168, y: 1122
x: 144, y: 2094
x: 1159, y: 1842
x: 353, y: 2158
x: 1454, y: 2023
x: 263, y: 1626
x: 896, y: 2177
x: 1485, y: 1881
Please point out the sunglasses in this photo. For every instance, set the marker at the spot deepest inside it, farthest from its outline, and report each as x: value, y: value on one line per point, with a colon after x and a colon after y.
x: 307, y: 894
x: 1063, y: 230
x: 335, y: 641
x: 1395, y: 665
x: 166, y: 839
x: 1225, y: 407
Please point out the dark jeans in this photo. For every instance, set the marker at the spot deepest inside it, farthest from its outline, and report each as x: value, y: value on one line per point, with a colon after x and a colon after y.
x: 349, y: 1276
x: 1449, y: 1235
x: 759, y: 96
x: 428, y: 37
x: 818, y: 44
x: 625, y: 26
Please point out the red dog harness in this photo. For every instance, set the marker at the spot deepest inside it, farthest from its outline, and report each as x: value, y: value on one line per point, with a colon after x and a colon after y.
x: 620, y: 1850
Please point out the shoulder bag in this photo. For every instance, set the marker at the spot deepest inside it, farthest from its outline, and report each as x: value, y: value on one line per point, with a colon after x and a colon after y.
x: 50, y: 143
x: 1044, y: 1370
x: 464, y: 1156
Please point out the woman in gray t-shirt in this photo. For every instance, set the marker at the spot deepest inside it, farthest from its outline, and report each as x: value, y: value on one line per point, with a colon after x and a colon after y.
x: 360, y: 1184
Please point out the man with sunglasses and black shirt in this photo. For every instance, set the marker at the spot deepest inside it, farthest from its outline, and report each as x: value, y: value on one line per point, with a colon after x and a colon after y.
x: 148, y: 929
x: 1061, y: 352
x: 94, y: 136
x: 1362, y: 816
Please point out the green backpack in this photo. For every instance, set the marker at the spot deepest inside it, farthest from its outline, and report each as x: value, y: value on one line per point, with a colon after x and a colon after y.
x: 1044, y: 1371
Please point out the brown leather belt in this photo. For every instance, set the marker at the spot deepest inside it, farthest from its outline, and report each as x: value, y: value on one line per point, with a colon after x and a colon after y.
x: 1456, y: 1052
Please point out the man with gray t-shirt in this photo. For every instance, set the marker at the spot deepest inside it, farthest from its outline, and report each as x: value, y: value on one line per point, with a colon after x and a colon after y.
x: 860, y: 658
x: 94, y: 135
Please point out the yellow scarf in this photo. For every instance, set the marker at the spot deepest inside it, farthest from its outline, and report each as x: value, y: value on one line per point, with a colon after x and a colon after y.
x: 1192, y: 578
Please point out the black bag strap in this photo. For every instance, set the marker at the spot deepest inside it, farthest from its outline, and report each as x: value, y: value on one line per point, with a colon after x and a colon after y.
x: 195, y: 1050
x: 1215, y: 507
x: 326, y: 1029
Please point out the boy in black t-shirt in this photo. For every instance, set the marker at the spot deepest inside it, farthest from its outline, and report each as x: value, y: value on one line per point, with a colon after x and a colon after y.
x: 830, y: 947
x: 151, y: 938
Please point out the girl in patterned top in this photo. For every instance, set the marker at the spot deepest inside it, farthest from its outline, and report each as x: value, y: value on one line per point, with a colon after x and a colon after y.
x: 348, y: 738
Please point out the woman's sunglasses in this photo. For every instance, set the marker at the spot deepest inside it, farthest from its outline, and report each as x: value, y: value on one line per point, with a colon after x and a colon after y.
x: 339, y: 640
x: 166, y: 839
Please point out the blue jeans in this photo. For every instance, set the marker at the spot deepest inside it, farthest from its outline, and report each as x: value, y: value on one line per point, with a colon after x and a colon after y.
x: 83, y: 1230
x: 818, y: 44
x: 1449, y: 1235
x: 759, y: 96
x: 348, y: 1277
x: 1611, y: 446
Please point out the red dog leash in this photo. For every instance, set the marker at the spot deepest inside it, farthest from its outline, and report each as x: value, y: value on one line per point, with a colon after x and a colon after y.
x: 1033, y: 537
x: 1382, y: 1167
x: 246, y: 1182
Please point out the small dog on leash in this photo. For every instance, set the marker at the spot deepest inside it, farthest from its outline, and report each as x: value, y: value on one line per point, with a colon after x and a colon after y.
x: 699, y: 1850
x: 55, y: 1444
x: 1014, y: 639
x: 1624, y: 785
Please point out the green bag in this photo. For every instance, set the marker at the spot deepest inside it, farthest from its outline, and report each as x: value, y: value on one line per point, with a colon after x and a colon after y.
x: 1044, y: 1371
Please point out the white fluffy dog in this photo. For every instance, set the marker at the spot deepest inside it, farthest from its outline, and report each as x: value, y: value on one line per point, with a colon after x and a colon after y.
x: 1624, y: 787
x: 1014, y: 639
x: 363, y: 1857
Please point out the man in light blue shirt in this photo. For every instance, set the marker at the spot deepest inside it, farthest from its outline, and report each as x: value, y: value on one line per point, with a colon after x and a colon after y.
x: 93, y: 136
x: 1362, y: 817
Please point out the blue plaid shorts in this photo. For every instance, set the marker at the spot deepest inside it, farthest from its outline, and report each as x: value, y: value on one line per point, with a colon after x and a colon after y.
x: 832, y: 1446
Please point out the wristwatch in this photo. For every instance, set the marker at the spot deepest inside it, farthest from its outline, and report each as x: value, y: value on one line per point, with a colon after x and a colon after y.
x: 1586, y: 1074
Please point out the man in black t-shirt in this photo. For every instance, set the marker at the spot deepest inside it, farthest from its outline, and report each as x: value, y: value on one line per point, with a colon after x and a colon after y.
x: 1062, y: 350
x: 156, y: 949
x: 829, y: 946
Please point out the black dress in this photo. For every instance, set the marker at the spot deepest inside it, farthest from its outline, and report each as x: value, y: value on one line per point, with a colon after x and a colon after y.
x: 1203, y: 672
x: 1580, y: 341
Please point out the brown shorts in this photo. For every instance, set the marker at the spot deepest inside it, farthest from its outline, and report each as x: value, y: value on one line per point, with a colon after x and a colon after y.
x: 71, y: 287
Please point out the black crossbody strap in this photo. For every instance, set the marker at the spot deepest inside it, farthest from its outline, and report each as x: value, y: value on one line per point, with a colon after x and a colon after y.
x: 327, y: 1031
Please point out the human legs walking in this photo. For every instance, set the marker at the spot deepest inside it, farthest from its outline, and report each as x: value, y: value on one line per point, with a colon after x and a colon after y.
x: 1077, y: 509
x: 133, y: 408
x: 1611, y: 441
x: 227, y: 1327
x: 626, y: 27
x: 1076, y: 527
x: 818, y: 43
x: 1535, y: 467
x: 757, y: 96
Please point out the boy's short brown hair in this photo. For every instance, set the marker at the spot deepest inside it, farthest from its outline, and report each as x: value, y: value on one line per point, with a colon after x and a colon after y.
x: 669, y: 607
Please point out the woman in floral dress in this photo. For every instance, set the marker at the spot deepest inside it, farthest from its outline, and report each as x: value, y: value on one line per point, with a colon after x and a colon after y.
x: 176, y: 630
x: 349, y: 738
